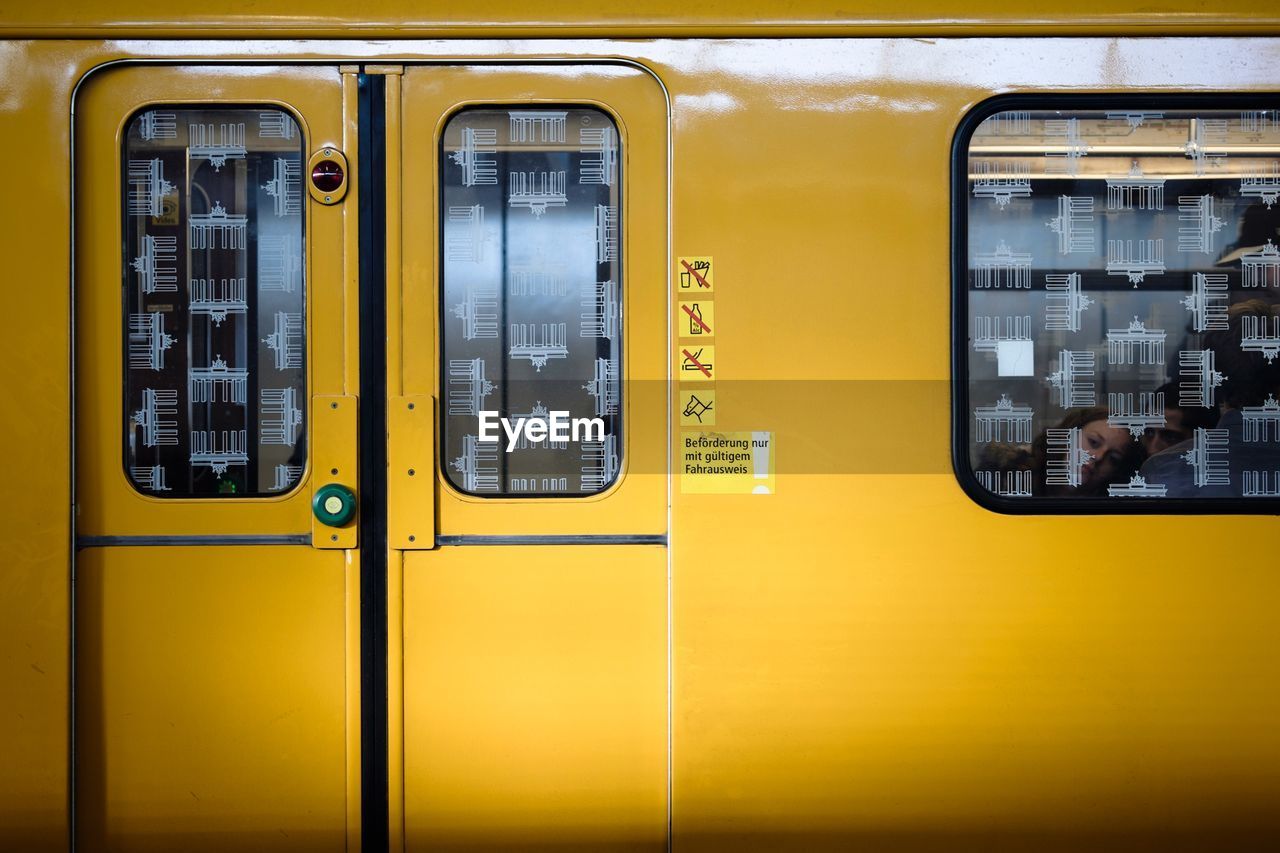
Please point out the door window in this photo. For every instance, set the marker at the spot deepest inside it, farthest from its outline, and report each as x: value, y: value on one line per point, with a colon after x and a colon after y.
x: 531, y: 313
x: 215, y: 386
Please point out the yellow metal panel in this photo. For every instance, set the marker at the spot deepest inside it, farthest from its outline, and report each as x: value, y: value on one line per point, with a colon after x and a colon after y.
x: 215, y: 683
x: 107, y: 504
x: 553, y: 659
x: 863, y: 689
x: 334, y: 453
x: 398, y: 448
x: 35, y: 431
x: 399, y: 380
x: 850, y: 669
x: 351, y: 384
x: 211, y: 699
x: 637, y: 504
x: 410, y: 484
x: 351, y: 231
x: 568, y: 18
x: 867, y: 660
x: 354, y: 718
x: 396, y: 709
x: 535, y: 698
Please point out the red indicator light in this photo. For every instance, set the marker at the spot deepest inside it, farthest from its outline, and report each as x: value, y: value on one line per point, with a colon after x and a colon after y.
x: 327, y: 176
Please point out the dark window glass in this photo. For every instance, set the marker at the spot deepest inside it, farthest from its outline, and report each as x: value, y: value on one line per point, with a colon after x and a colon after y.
x: 215, y: 381
x: 1122, y: 284
x: 532, y: 296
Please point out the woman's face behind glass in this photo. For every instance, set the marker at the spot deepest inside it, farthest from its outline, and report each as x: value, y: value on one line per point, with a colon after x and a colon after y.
x: 1106, y: 446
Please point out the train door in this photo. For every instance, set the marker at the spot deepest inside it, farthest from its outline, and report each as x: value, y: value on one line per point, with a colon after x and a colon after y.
x: 526, y: 249
x: 517, y: 216
x: 217, y: 631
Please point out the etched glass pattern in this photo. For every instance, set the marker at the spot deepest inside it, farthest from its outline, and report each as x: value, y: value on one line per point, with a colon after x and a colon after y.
x: 214, y: 326
x: 531, y: 308
x: 1123, y: 283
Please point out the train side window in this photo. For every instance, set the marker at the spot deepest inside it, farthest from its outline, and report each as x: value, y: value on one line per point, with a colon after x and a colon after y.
x: 1117, y: 305
x: 214, y: 331
x: 531, y: 292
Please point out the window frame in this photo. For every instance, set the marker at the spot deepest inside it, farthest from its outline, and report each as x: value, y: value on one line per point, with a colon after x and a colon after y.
x: 960, y: 403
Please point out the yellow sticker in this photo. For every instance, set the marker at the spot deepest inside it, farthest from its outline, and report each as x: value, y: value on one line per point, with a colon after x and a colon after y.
x: 697, y: 363
x: 696, y: 319
x: 727, y: 463
x: 694, y: 274
x: 698, y: 407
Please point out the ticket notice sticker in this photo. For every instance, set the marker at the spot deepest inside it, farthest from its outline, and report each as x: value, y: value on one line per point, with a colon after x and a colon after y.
x: 726, y: 463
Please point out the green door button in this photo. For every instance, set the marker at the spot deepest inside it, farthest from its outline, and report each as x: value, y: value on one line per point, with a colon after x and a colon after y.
x: 334, y: 505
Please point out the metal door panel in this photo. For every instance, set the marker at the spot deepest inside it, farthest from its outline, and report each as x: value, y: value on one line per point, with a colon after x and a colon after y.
x: 107, y: 504
x: 211, y: 699
x: 637, y: 503
x: 535, y: 698
x: 215, y: 703
x: 528, y: 682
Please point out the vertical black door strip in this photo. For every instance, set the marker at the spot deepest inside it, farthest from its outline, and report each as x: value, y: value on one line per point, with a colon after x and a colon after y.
x: 373, y: 464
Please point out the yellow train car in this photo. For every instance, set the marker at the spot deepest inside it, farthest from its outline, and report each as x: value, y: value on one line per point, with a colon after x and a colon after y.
x: 800, y: 427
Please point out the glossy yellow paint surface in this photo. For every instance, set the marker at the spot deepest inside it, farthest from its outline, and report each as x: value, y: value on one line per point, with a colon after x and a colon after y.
x: 535, y: 698
x: 867, y: 660
x: 214, y: 706
x: 322, y: 18
x: 211, y: 699
x: 546, y: 665
x: 334, y: 454
x: 35, y: 577
x: 108, y: 504
x: 863, y: 660
x: 926, y: 698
